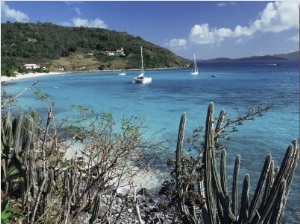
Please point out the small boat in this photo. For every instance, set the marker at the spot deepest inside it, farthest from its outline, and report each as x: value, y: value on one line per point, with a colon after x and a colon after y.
x: 141, y: 78
x: 195, y: 70
x: 122, y: 72
x: 214, y: 75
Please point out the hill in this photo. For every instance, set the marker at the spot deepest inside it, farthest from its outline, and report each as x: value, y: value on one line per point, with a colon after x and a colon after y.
x: 277, y: 57
x: 79, y: 48
x: 290, y: 56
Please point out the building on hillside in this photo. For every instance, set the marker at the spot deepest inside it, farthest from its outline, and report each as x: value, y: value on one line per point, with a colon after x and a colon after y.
x: 31, y: 66
x: 118, y: 52
x: 109, y: 53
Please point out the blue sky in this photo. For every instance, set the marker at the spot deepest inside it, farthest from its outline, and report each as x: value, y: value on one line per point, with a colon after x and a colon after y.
x: 211, y: 29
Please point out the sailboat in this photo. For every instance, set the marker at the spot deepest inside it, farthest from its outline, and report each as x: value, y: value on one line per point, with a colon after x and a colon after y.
x: 195, y: 70
x: 122, y: 72
x: 141, y: 78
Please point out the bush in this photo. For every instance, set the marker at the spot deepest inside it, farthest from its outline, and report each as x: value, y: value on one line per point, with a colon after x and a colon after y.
x: 48, y: 185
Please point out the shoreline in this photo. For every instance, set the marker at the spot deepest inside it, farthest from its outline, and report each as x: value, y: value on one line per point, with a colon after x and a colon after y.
x: 29, y: 75
x: 33, y: 75
x: 150, y: 178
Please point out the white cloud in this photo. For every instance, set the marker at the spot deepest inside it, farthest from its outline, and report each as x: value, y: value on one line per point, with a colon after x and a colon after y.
x: 97, y: 23
x: 223, y: 4
x: 295, y: 38
x: 77, y: 10
x: 12, y: 14
x: 202, y: 34
x: 177, y: 44
x: 224, y: 32
x: 240, y: 31
x: 276, y: 17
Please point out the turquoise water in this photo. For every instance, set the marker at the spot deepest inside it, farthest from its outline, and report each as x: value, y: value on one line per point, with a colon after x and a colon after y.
x: 173, y: 92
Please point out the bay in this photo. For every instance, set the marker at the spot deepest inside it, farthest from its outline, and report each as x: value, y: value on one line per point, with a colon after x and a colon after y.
x: 172, y: 92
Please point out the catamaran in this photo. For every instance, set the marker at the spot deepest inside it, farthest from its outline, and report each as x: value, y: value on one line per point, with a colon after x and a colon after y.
x: 141, y: 78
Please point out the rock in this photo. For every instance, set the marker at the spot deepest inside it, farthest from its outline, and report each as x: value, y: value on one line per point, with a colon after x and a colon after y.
x: 151, y: 201
x: 145, y: 192
x: 154, y: 209
x: 119, y: 201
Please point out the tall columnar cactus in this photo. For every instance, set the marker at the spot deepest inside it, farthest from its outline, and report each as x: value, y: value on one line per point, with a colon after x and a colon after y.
x: 235, y: 185
x: 19, y: 167
x: 96, y: 209
x: 278, y: 187
x: 179, y: 168
x: 181, y: 186
x: 223, y: 170
x: 16, y: 143
x: 271, y: 192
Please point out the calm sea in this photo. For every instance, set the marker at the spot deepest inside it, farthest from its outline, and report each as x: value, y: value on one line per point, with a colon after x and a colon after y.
x: 173, y: 92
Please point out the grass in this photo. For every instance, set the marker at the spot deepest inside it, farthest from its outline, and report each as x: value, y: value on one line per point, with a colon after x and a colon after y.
x: 75, y: 62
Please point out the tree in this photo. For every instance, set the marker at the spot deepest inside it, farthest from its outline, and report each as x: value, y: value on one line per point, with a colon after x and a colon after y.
x: 25, y: 42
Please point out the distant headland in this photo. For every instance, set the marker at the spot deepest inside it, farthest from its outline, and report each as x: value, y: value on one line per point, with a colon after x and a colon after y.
x: 278, y: 57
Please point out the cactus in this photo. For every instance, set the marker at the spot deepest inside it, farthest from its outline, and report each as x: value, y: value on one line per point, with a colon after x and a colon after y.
x: 8, y: 130
x: 235, y: 188
x: 181, y: 187
x: 263, y: 176
x: 274, y: 187
x: 96, y: 209
x: 267, y: 205
x: 15, y: 153
x: 244, y: 212
x: 210, y: 208
x: 19, y: 162
x: 271, y: 191
x: 179, y: 169
x: 17, y: 134
x: 223, y: 170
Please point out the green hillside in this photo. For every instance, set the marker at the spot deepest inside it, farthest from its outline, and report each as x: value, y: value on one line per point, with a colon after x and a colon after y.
x: 77, y: 48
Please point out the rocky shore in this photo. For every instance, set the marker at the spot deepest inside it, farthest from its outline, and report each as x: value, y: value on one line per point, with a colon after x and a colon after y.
x: 129, y: 208
x: 133, y: 198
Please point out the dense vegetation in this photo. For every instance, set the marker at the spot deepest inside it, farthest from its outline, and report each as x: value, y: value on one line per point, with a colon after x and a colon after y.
x: 56, y: 47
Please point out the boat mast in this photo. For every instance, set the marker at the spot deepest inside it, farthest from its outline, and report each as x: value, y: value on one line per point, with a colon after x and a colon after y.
x: 142, y: 59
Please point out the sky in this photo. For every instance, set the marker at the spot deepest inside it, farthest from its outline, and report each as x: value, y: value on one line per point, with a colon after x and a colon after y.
x: 210, y: 29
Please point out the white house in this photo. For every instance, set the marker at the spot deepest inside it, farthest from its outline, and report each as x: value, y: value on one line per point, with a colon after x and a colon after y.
x: 31, y: 66
x: 109, y: 53
x: 118, y: 52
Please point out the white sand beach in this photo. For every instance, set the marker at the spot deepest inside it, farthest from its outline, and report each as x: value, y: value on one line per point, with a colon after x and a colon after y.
x: 149, y: 177
x: 28, y: 75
